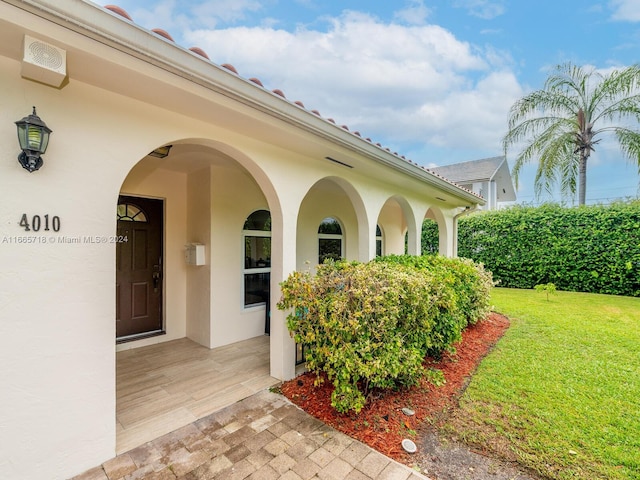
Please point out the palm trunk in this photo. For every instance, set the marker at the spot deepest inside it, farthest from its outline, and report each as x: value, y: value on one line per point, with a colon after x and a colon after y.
x: 582, y: 178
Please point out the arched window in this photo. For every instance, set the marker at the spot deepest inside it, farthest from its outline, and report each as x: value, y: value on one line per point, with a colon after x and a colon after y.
x: 379, y: 248
x: 128, y: 212
x: 256, y: 239
x: 330, y: 244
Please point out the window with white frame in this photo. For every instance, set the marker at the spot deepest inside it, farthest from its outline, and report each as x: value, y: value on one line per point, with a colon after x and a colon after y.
x: 256, y: 240
x: 379, y: 246
x: 330, y: 244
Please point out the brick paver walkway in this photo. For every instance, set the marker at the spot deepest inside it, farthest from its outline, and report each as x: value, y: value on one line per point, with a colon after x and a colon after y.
x: 263, y: 437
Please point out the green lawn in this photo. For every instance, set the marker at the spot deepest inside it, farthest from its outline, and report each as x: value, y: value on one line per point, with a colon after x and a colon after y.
x: 561, y: 390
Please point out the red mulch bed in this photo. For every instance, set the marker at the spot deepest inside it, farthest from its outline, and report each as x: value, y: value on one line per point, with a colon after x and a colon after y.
x: 381, y: 423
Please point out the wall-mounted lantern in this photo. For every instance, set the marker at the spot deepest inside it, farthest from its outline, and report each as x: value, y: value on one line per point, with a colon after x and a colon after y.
x: 33, y: 135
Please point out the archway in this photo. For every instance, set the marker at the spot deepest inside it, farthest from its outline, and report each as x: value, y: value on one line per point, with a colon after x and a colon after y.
x: 392, y: 221
x: 331, y: 198
x: 209, y: 191
x: 434, y: 232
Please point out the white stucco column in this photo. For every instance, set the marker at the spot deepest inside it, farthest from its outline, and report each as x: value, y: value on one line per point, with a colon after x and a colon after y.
x: 456, y: 219
x: 283, y: 255
x: 449, y: 245
x: 447, y: 234
x: 414, y: 226
x: 367, y: 240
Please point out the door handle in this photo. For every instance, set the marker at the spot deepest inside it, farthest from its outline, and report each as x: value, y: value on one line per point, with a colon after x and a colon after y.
x: 156, y: 281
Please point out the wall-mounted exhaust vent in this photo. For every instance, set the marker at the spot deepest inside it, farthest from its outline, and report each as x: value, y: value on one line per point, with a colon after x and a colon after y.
x: 43, y: 62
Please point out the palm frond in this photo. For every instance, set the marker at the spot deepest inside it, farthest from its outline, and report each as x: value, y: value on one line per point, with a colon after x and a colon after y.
x: 629, y: 141
x: 556, y: 126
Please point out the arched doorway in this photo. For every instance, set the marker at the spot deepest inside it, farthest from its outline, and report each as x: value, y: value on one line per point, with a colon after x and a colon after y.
x: 211, y: 349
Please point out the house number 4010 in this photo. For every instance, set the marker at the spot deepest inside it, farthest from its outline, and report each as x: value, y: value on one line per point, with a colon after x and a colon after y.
x: 37, y: 223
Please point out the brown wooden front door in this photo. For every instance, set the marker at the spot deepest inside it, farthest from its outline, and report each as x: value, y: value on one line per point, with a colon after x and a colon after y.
x: 139, y: 268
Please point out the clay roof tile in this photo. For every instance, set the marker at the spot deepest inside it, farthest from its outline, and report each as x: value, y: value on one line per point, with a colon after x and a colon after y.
x: 163, y: 33
x: 200, y: 52
x: 230, y: 67
x: 120, y: 11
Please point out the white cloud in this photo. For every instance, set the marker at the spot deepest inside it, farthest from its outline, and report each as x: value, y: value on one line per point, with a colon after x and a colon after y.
x: 414, y: 14
x: 171, y: 16
x: 227, y: 11
x: 477, y: 116
x: 161, y: 14
x: 405, y: 84
x: 625, y: 10
x: 485, y: 9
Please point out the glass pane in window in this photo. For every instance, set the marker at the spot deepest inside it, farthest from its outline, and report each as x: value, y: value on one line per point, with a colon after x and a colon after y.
x: 329, y: 248
x: 128, y: 212
x: 378, y: 231
x: 330, y: 225
x: 257, y: 252
x: 258, y: 220
x: 256, y: 288
x: 379, y: 247
x: 301, y: 353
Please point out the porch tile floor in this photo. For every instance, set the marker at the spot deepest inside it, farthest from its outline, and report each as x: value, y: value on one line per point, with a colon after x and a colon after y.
x: 262, y: 437
x: 163, y: 387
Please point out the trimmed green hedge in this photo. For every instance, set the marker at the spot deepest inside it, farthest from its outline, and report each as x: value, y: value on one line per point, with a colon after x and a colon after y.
x: 592, y: 249
x: 465, y: 292
x: 370, y: 325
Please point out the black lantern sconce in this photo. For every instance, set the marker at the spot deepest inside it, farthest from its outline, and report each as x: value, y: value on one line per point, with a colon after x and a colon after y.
x: 33, y: 135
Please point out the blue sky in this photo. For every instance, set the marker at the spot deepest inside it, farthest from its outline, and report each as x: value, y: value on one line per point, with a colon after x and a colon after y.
x: 432, y: 80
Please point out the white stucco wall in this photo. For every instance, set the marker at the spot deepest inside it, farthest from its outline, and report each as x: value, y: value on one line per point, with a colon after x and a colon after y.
x: 235, y: 196
x: 56, y: 299
x: 199, y: 276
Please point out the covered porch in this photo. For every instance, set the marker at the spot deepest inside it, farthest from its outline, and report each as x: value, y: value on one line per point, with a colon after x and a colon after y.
x: 162, y: 387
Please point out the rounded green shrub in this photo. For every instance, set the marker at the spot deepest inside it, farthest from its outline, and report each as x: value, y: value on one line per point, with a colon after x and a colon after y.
x: 370, y: 325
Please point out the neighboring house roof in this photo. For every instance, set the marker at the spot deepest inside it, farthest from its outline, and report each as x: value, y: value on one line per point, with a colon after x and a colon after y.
x: 483, y: 170
x: 383, y: 152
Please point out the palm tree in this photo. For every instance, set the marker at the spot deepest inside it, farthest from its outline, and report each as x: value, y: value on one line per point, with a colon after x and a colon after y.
x: 557, y: 124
